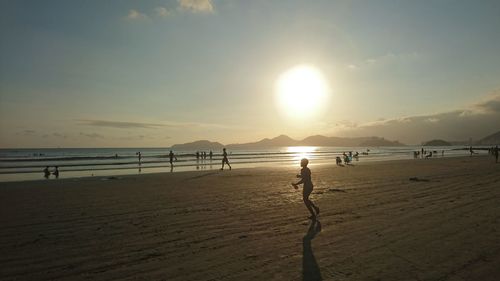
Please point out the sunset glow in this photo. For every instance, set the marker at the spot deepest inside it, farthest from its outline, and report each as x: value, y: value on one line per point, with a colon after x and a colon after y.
x: 301, y: 92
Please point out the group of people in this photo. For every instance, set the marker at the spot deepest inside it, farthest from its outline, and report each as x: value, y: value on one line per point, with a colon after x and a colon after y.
x: 347, y: 158
x: 426, y: 154
x: 55, y: 172
x: 202, y: 156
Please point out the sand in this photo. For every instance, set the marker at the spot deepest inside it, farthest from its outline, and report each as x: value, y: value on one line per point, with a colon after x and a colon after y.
x: 250, y: 224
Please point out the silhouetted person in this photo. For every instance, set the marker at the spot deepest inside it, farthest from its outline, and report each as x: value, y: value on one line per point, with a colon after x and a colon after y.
x: 197, y: 155
x: 46, y: 172
x: 56, y: 172
x: 471, y: 151
x: 171, y: 158
x: 338, y: 161
x: 442, y: 153
x: 139, y: 157
x: 305, y: 180
x: 496, y: 154
x: 204, y: 155
x: 224, y: 159
x: 211, y: 154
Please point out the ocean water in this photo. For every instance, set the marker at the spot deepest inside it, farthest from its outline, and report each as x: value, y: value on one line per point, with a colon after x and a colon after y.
x: 27, y: 164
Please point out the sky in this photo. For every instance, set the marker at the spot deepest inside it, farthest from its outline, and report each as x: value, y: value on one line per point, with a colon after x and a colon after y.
x: 155, y: 73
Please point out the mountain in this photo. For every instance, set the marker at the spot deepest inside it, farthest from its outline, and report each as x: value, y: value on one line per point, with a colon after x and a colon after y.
x: 278, y: 141
x: 283, y: 140
x: 491, y: 139
x: 437, y: 143
x: 319, y: 140
x: 198, y: 145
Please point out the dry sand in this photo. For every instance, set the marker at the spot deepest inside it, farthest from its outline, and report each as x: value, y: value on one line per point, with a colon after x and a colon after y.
x: 250, y: 224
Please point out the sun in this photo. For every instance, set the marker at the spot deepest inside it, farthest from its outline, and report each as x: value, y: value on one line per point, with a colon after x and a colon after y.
x: 301, y: 92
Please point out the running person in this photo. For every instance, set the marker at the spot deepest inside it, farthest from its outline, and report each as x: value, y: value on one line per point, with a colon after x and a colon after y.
x: 305, y: 176
x: 171, y: 157
x: 224, y: 159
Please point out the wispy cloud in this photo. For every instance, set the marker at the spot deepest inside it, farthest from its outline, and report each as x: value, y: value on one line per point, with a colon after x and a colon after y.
x: 146, y: 125
x: 162, y: 12
x: 197, y: 6
x: 59, y: 135
x: 386, y: 58
x: 26, y: 133
x: 190, y: 6
x: 119, y: 124
x: 92, y: 135
x: 134, y: 14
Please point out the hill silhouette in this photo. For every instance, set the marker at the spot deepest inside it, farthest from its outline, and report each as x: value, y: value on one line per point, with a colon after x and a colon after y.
x: 198, y: 145
x: 491, y: 139
x: 283, y: 140
x: 437, y: 143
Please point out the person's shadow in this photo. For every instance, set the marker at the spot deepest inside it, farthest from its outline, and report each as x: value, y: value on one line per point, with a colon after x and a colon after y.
x: 310, y: 268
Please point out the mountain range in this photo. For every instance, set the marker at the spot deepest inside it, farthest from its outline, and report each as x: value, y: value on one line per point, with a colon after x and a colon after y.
x: 283, y: 140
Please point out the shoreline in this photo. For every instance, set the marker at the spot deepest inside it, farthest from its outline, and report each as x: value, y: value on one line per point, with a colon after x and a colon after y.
x: 202, y: 166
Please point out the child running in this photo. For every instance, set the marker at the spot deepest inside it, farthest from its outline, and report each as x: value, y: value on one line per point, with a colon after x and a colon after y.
x: 305, y: 175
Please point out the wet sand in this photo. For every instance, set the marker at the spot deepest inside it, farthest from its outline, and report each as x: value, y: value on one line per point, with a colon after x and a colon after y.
x: 250, y: 224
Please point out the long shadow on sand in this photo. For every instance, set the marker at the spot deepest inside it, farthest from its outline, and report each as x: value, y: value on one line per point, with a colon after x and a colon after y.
x: 310, y: 268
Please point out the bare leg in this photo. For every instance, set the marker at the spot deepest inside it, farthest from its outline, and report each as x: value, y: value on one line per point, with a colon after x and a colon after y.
x: 308, y: 204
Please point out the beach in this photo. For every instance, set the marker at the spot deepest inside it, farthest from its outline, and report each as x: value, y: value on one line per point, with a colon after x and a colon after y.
x: 250, y: 224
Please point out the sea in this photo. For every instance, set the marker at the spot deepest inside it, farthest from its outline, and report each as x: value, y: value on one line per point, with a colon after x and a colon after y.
x: 28, y: 164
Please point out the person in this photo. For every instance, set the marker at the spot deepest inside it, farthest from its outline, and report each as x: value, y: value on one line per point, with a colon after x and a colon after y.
x: 422, y: 152
x: 171, y: 158
x: 139, y: 156
x: 442, y: 153
x: 204, y: 155
x: 471, y: 151
x: 211, y: 154
x: 197, y: 155
x: 56, y: 172
x: 46, y: 172
x: 224, y: 159
x: 346, y: 158
x: 496, y: 154
x: 338, y: 161
x: 307, y: 188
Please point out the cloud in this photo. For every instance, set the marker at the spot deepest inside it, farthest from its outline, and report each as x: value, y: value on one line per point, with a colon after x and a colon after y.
x: 92, y: 135
x: 197, y: 6
x: 489, y: 105
x: 26, y: 133
x: 58, y: 135
x: 162, y: 12
x: 475, y: 121
x: 119, y: 124
x: 386, y: 58
x: 145, y: 125
x: 136, y: 15
x: 192, y: 6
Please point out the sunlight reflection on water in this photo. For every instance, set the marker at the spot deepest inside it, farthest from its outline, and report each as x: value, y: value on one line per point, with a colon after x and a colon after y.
x: 300, y: 152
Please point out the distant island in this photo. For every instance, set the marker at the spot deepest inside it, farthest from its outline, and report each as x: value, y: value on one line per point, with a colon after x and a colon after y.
x: 437, y: 143
x: 283, y: 140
